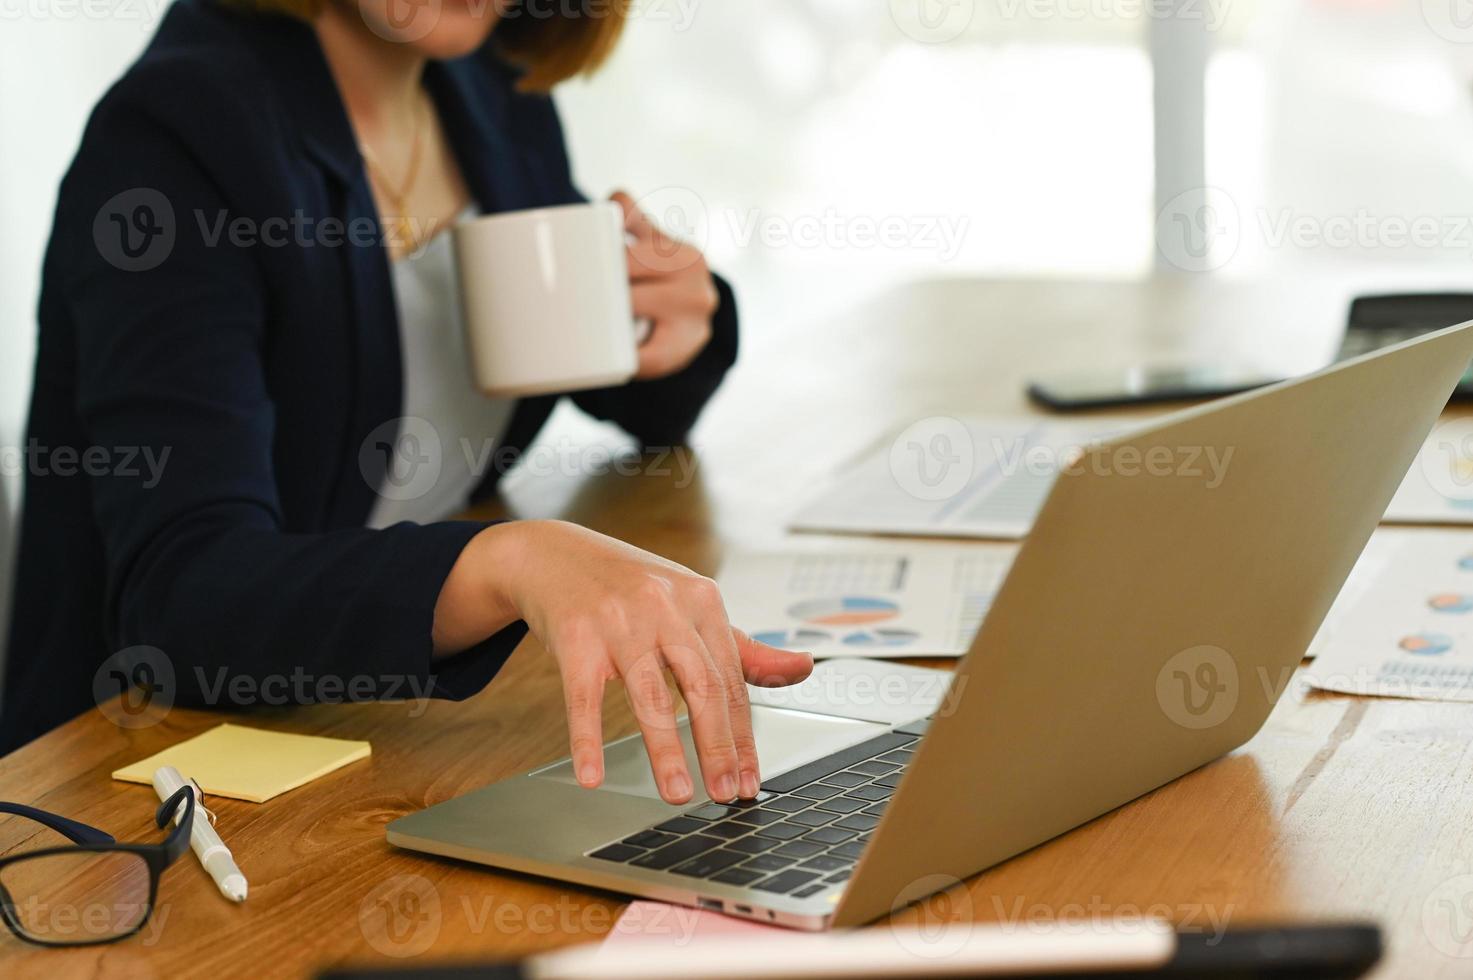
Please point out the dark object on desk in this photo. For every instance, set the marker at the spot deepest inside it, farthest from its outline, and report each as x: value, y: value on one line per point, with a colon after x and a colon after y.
x: 1380, y: 321
x: 93, y: 890
x: 1143, y: 385
x: 1291, y: 953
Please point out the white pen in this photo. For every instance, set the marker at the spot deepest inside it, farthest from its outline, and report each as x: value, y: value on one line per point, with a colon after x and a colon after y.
x: 213, y: 853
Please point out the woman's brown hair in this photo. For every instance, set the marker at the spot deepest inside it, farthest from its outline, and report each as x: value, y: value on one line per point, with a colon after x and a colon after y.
x: 551, y: 40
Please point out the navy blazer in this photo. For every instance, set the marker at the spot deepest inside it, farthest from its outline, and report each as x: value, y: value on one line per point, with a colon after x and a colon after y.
x: 218, y: 331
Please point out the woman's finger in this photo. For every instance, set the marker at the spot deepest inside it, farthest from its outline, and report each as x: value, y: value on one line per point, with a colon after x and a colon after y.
x: 717, y: 635
x: 767, y: 666
x: 704, y: 688
x: 672, y: 297
x: 655, y: 255
x: 583, y: 695
x: 671, y: 346
x: 636, y: 222
x: 654, y: 709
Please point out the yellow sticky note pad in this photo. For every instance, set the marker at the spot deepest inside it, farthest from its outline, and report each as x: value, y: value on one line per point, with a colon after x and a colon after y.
x: 249, y: 763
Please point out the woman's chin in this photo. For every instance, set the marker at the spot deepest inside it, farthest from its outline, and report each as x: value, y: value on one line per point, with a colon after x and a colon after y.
x: 439, y: 29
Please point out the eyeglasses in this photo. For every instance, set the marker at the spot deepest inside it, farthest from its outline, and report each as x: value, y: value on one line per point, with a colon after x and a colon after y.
x: 99, y: 891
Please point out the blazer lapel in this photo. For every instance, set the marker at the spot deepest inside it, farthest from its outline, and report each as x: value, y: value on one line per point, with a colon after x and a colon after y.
x: 326, y: 136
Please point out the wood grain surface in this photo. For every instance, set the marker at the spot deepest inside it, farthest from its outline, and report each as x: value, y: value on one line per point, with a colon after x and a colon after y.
x: 1341, y: 808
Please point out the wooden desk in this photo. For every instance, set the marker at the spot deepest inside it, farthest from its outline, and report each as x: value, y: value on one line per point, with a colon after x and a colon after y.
x: 1340, y: 808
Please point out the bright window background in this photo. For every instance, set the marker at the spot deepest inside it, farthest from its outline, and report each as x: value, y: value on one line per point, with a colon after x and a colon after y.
x: 822, y: 149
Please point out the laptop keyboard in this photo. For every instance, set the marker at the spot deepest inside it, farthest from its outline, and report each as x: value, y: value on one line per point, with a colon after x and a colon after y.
x: 802, y: 835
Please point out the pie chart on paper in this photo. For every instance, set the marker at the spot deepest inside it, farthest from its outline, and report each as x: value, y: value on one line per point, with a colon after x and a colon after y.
x: 1427, y: 644
x: 844, y: 611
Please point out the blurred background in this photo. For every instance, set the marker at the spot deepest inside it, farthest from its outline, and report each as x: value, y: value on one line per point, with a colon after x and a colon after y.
x: 821, y: 150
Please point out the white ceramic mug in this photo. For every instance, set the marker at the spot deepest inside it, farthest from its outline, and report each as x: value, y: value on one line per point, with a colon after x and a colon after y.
x: 545, y: 295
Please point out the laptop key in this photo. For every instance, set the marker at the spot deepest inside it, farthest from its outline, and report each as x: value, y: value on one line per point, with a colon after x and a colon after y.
x: 706, y: 865
x: 759, y: 817
x: 900, y: 757
x: 826, y: 862
x: 818, y: 791
x: 649, y: 839
x: 839, y: 876
x: 673, y: 854
x: 729, y: 829
x: 798, y: 849
x: 846, y: 779
x: 829, y: 835
x: 853, y: 849
x: 891, y: 781
x: 807, y: 890
x: 788, y: 804
x: 871, y: 793
x: 761, y: 797
x: 786, y: 881
x: 769, y: 862
x: 751, y: 845
x: 877, y: 808
x: 713, y: 811
x: 803, y: 775
x: 737, y: 876
x: 617, y: 852
x: 813, y: 818
x: 859, y: 821
x: 681, y: 825
x: 875, y: 767
x: 841, y: 804
x: 782, y: 831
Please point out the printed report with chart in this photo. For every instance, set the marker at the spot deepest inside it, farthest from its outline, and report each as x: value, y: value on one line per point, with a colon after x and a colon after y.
x: 872, y: 602
x: 988, y: 478
x: 1410, y: 631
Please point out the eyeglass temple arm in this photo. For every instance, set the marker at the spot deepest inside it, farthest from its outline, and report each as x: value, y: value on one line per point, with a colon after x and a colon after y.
x: 178, y: 839
x: 77, y: 833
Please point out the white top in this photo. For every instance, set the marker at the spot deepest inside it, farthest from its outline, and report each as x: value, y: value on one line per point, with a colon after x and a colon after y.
x: 449, y: 430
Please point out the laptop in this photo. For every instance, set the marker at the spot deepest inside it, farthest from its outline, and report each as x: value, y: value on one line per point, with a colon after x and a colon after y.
x: 1147, y: 626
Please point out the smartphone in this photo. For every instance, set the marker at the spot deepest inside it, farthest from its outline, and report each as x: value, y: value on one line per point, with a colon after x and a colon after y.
x: 1143, y: 385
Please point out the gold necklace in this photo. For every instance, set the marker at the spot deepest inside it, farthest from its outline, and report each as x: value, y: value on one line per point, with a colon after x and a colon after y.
x: 401, y: 224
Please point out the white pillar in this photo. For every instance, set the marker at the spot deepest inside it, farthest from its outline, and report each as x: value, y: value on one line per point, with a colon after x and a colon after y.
x: 1180, y: 46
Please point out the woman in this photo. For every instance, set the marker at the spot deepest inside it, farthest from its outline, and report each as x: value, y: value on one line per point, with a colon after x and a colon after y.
x: 211, y: 305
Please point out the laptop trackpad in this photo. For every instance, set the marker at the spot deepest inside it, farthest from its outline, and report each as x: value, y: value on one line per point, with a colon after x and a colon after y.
x: 785, y: 740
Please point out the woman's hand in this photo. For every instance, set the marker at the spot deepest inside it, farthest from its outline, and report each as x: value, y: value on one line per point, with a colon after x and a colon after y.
x: 606, y: 609
x: 671, y: 286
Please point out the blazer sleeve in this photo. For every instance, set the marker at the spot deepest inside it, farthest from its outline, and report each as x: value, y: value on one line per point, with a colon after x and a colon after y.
x: 170, y: 360
x: 659, y: 413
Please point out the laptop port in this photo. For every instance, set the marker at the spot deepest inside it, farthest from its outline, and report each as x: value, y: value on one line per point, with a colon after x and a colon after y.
x: 710, y: 904
x: 744, y: 909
